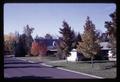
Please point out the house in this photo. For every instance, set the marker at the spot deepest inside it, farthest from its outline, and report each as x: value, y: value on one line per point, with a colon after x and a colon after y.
x: 104, y: 50
x: 80, y: 57
x: 73, y: 57
x: 50, y: 43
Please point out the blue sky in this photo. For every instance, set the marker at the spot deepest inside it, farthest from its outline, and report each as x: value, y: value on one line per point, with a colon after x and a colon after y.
x: 48, y: 17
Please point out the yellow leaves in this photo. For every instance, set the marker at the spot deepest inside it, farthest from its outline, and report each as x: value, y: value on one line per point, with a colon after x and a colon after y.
x: 88, y: 46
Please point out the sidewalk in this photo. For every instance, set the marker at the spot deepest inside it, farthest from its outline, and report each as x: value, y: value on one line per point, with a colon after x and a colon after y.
x: 39, y: 59
x: 82, y: 66
x: 27, y: 70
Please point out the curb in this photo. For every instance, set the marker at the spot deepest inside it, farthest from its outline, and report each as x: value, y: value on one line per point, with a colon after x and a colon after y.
x: 81, y: 73
x: 44, y: 64
x: 73, y: 71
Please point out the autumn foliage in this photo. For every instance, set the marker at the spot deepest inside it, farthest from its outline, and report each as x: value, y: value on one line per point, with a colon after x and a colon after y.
x: 9, y: 41
x: 38, y: 48
x: 89, y: 45
x: 43, y: 48
x: 35, y: 49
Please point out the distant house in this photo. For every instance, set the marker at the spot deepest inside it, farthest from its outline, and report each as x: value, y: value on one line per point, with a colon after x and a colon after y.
x: 104, y: 49
x: 50, y: 43
x: 105, y: 45
x: 103, y: 55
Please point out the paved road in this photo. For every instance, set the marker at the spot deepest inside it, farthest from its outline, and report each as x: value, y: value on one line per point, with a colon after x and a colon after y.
x: 14, y: 68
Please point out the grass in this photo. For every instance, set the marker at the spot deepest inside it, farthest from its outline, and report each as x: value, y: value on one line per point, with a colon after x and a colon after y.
x: 98, y: 69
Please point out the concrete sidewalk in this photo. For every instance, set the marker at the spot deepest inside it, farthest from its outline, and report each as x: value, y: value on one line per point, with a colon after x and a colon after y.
x: 39, y: 59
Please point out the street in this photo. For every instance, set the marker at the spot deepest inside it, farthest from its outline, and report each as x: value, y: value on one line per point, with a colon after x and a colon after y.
x: 14, y: 68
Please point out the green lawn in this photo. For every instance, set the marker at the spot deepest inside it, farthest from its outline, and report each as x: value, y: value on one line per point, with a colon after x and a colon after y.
x: 98, y: 69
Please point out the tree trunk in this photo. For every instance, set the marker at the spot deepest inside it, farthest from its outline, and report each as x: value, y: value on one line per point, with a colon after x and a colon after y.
x: 92, y: 62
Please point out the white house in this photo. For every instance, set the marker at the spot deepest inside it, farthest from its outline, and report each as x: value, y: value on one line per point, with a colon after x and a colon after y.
x: 73, y: 56
x: 105, y: 45
x: 109, y: 54
x: 105, y: 52
x: 111, y: 57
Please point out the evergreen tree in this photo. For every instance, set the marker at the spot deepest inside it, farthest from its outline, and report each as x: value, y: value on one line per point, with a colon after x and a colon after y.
x: 89, y: 47
x: 20, y: 50
x: 98, y: 35
x: 48, y: 36
x: 111, y: 28
x: 28, y: 38
x: 78, y: 39
x: 59, y: 47
x: 67, y: 39
x: 104, y: 37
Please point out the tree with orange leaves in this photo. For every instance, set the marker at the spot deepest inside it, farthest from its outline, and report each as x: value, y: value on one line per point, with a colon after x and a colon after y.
x: 38, y: 48
x: 35, y: 49
x: 43, y: 48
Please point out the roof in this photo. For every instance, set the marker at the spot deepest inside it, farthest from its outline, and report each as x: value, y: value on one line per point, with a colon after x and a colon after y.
x: 48, y: 42
x: 104, y: 45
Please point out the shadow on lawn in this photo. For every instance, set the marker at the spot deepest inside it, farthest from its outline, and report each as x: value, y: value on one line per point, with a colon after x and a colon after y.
x: 30, y: 78
x: 109, y: 67
x: 57, y: 66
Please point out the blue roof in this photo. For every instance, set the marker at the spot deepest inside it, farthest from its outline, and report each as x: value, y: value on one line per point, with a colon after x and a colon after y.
x: 48, y: 42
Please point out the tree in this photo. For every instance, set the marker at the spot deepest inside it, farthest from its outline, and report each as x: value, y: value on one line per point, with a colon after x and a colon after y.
x: 67, y: 39
x: 43, y: 48
x: 35, y: 49
x: 111, y: 30
x: 20, y: 50
x: 77, y: 39
x: 48, y: 36
x: 98, y: 35
x: 59, y: 46
x: 104, y: 37
x: 89, y: 47
x: 28, y: 38
x: 9, y: 41
x: 17, y: 35
x: 74, y: 39
x: 38, y: 47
